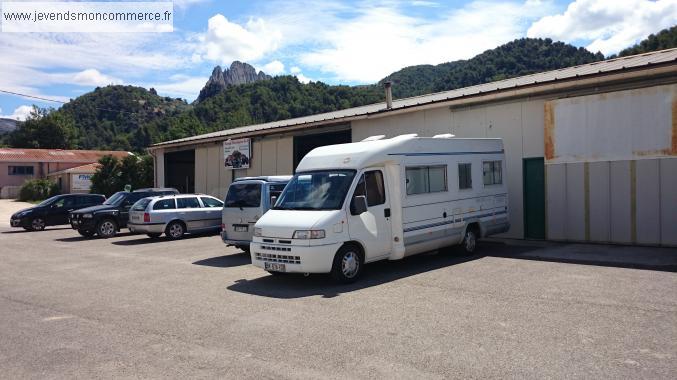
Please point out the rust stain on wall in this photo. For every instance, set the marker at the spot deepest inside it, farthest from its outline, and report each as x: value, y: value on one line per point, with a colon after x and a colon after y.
x: 673, y: 145
x: 549, y: 132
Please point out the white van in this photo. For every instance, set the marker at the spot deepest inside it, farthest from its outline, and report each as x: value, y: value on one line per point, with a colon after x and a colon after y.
x: 247, y: 199
x: 377, y: 199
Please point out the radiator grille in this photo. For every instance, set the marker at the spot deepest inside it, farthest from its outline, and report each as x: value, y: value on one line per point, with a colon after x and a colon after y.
x: 274, y: 248
x: 286, y: 259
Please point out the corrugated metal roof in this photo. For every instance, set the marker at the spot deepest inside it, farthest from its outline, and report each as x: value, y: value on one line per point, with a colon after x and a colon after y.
x: 82, y: 169
x: 574, y: 72
x: 56, y: 155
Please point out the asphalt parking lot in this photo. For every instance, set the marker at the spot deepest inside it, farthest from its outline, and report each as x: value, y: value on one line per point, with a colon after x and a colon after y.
x: 134, y: 307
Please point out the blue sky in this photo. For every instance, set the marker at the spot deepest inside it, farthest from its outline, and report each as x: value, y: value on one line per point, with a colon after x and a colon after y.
x: 348, y: 42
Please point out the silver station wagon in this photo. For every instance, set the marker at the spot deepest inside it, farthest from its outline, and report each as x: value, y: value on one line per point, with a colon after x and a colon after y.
x: 175, y: 215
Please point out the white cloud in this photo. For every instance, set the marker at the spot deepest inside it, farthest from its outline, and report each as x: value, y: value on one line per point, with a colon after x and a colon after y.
x: 182, y: 86
x: 92, y: 77
x: 379, y: 40
x: 274, y: 68
x: 423, y: 3
x: 302, y: 78
x: 20, y: 113
x: 610, y: 25
x: 226, y: 41
x: 295, y: 70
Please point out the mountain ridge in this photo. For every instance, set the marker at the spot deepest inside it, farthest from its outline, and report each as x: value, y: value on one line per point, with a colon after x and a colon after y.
x: 131, y: 118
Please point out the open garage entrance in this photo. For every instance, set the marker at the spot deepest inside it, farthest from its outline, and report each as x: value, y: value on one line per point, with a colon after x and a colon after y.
x: 180, y: 170
x: 305, y: 143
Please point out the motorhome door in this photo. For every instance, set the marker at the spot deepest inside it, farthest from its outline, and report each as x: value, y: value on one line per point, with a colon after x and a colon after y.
x: 372, y: 228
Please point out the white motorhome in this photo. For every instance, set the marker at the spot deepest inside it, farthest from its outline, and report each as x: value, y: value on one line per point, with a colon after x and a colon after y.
x: 351, y: 204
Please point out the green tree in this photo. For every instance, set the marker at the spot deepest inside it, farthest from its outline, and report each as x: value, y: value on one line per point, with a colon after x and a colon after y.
x: 113, y: 174
x: 45, y: 128
x: 106, y: 179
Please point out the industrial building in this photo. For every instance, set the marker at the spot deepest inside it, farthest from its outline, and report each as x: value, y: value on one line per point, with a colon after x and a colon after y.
x: 591, y: 150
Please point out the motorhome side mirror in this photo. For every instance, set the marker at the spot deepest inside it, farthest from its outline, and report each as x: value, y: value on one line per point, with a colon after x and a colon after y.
x: 273, y: 200
x: 359, y: 205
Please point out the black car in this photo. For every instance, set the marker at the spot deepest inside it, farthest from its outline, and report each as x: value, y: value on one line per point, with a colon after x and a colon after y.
x: 107, y: 219
x: 53, y: 211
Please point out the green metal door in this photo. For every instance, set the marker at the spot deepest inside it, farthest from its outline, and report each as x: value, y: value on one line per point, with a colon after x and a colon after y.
x: 534, y: 198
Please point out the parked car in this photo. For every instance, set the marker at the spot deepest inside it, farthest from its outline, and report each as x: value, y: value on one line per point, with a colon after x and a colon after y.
x: 107, y: 219
x: 248, y: 198
x: 383, y: 199
x: 175, y: 215
x: 53, y: 211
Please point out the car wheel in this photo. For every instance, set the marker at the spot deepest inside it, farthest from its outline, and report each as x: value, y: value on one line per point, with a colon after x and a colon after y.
x: 107, y: 228
x: 243, y: 248
x: 347, y: 265
x: 37, y: 224
x: 175, y: 230
x: 470, y: 241
x: 154, y: 235
x: 86, y: 233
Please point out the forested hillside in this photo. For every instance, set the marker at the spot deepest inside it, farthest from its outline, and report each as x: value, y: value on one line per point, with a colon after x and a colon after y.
x: 516, y: 58
x: 131, y: 118
x: 665, y: 39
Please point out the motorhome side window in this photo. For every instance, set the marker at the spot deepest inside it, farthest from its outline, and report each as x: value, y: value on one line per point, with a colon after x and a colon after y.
x: 371, y: 185
x: 492, y: 172
x: 464, y: 176
x: 426, y: 179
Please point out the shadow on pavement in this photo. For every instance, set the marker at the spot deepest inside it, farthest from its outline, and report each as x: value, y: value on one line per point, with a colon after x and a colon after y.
x: 18, y: 230
x: 615, y: 256
x: 226, y: 261
x: 78, y: 237
x: 297, y: 286
x: 143, y: 239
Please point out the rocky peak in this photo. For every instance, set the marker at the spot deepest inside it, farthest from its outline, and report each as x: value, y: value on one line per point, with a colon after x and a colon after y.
x: 238, y: 73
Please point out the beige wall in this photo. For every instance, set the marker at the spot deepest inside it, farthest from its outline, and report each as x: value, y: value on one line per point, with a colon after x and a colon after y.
x: 270, y: 156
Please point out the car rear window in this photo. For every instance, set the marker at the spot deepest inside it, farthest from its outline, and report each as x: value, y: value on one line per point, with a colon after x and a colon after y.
x: 141, y: 205
x: 187, y: 203
x: 244, y: 195
x: 164, y: 204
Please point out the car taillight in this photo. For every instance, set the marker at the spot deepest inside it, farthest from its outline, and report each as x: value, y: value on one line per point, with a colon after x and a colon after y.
x: 146, y: 217
x: 223, y: 227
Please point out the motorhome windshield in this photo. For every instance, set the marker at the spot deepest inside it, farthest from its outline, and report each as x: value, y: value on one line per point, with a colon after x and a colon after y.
x: 320, y: 190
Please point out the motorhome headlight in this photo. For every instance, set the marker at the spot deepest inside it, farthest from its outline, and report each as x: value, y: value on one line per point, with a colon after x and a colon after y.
x: 258, y: 231
x: 87, y: 216
x: 308, y: 234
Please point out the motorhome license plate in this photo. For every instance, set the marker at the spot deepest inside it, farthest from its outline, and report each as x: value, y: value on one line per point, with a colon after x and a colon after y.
x: 275, y: 267
x: 240, y: 228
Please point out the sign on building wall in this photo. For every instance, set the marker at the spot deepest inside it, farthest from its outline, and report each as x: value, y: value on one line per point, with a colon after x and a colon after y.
x: 81, y: 182
x: 236, y: 153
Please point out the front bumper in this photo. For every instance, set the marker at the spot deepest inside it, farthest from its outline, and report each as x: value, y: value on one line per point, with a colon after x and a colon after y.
x: 19, y: 222
x: 146, y: 228
x: 296, y: 258
x: 82, y: 224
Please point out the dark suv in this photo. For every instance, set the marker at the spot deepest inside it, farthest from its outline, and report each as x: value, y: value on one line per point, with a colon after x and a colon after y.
x: 107, y: 219
x: 53, y: 211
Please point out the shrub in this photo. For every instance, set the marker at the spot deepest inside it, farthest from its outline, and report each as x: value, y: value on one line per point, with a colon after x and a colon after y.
x: 38, y: 189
